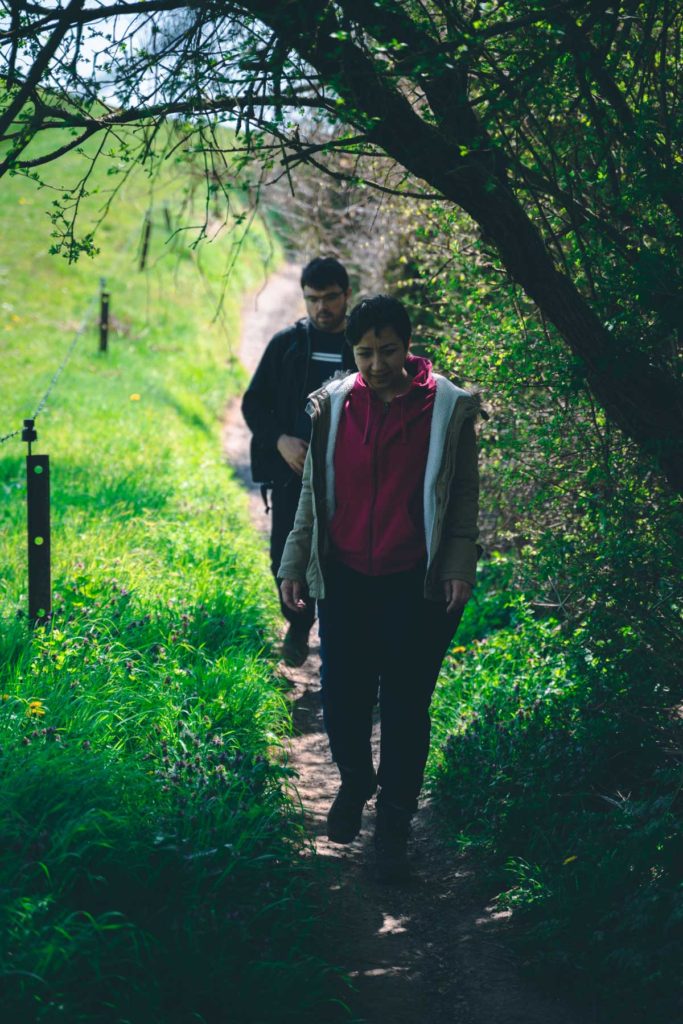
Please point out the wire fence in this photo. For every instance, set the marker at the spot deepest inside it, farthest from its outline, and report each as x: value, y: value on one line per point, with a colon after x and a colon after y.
x: 38, y: 466
x: 8, y: 436
x: 143, y: 253
x: 60, y: 369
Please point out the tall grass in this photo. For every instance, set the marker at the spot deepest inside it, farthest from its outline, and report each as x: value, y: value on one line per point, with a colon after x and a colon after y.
x: 150, y: 858
x: 556, y: 763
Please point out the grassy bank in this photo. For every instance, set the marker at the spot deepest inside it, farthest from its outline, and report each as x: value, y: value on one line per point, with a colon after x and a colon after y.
x: 556, y: 764
x: 150, y: 860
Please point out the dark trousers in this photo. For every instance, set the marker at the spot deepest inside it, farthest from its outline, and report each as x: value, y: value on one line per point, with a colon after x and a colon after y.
x: 284, y: 501
x: 379, y: 633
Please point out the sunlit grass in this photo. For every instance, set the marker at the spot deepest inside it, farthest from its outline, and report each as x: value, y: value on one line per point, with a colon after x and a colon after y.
x: 149, y: 860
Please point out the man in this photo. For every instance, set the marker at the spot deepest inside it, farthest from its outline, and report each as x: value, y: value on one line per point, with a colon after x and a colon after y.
x: 297, y: 361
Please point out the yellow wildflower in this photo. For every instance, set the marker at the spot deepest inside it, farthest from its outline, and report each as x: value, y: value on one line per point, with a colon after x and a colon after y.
x: 458, y: 650
x: 135, y: 398
x: 35, y: 708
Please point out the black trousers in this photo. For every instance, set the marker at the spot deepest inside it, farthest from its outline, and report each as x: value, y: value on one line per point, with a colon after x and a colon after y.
x: 284, y: 501
x: 380, y: 632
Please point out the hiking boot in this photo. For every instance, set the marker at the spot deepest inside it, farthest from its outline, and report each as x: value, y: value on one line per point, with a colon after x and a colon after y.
x: 345, y: 816
x: 391, y: 845
x: 295, y: 647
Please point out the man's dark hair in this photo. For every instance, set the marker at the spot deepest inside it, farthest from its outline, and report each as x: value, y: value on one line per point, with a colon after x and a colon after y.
x: 374, y: 314
x: 322, y: 271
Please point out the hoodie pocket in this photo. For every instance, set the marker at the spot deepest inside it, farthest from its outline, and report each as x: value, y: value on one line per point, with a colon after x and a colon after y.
x: 398, y: 532
x: 348, y: 529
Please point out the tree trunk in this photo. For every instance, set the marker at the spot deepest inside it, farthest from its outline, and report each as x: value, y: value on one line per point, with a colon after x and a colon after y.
x: 642, y: 399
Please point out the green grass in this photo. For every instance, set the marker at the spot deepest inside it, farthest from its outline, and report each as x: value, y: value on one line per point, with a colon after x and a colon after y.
x: 150, y: 857
x: 555, y: 764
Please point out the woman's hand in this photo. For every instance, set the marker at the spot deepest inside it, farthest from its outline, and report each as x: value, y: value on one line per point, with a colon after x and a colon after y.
x: 457, y: 594
x: 293, y: 593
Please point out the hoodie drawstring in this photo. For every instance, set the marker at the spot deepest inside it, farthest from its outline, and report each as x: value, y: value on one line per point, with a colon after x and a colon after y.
x: 366, y: 432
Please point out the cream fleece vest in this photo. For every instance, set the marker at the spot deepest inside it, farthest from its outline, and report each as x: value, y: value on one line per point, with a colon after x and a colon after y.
x: 447, y: 394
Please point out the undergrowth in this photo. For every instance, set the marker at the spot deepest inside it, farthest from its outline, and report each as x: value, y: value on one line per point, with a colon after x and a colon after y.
x: 151, y: 860
x: 556, y: 763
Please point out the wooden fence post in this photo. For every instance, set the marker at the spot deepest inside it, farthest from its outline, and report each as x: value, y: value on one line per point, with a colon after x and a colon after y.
x: 38, y: 522
x: 146, y: 231
x: 104, y: 316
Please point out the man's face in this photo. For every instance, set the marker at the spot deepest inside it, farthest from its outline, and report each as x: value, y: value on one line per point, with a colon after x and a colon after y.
x: 327, y: 306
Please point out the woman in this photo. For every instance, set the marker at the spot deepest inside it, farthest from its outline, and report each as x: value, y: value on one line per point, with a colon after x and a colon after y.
x: 385, y: 539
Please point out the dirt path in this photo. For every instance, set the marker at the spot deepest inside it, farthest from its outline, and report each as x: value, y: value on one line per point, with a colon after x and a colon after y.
x: 431, y: 952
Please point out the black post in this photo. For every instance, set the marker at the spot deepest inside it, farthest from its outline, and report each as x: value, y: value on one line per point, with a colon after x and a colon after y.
x: 104, y: 317
x: 146, y: 231
x: 38, y: 518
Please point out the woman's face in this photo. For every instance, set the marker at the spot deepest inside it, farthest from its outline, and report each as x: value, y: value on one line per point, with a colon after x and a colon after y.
x: 380, y: 359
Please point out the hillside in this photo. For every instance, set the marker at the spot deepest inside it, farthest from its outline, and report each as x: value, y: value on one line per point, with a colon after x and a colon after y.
x: 149, y: 859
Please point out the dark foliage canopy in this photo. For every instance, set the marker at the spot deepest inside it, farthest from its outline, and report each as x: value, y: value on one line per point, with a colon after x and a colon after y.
x: 556, y: 126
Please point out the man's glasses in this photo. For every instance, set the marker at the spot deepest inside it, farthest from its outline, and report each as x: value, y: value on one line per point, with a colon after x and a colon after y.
x: 328, y: 299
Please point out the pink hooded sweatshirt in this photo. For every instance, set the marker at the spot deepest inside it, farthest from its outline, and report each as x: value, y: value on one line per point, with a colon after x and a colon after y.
x: 379, y: 465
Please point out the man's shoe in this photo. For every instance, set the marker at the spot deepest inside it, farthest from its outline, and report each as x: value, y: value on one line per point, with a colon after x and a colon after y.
x: 345, y: 816
x: 391, y: 846
x: 295, y: 647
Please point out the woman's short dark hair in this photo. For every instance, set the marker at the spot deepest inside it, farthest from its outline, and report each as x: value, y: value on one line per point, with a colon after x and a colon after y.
x: 376, y: 313
x: 323, y: 271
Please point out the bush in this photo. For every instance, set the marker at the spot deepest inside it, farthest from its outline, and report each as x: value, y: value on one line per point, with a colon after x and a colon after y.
x: 550, y: 759
x: 557, y: 746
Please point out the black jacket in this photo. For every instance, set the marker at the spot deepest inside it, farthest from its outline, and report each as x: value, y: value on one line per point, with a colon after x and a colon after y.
x: 276, y: 395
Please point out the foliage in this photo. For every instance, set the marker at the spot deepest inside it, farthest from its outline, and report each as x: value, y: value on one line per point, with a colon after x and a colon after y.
x: 553, y: 462
x: 557, y: 730
x: 556, y: 754
x: 555, y: 127
x: 150, y: 860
